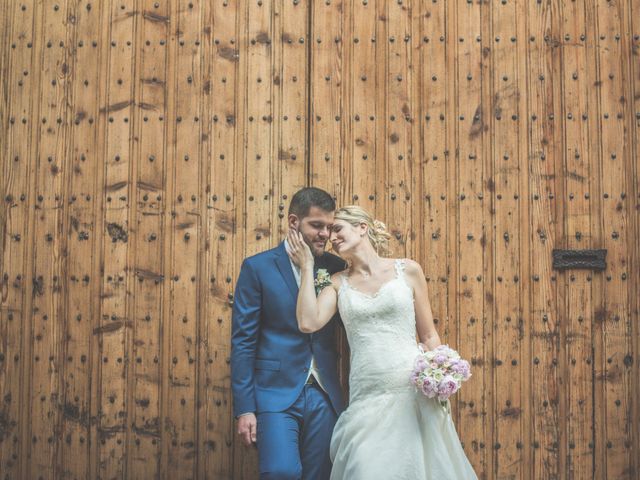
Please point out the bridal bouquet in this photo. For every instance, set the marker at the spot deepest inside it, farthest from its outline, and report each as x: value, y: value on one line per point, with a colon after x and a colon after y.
x: 439, y: 373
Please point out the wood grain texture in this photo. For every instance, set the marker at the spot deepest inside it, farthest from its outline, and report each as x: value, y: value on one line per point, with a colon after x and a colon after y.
x: 544, y: 158
x: 148, y: 147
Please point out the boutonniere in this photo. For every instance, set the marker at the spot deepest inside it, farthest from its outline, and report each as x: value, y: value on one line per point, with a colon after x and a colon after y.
x: 323, y: 279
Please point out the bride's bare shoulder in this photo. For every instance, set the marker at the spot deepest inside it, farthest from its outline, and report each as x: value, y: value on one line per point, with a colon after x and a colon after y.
x: 336, y: 279
x: 412, y: 267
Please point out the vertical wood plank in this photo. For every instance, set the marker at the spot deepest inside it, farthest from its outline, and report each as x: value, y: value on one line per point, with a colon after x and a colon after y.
x: 365, y: 80
x: 203, y: 443
x: 398, y: 154
x: 417, y: 250
x: 544, y: 159
x: 613, y: 373
x: 487, y: 126
x: 560, y: 234
x: 224, y: 157
x: 30, y: 37
x: 595, y: 138
x: 471, y: 422
x: 257, y: 109
x: 526, y: 269
x: 84, y: 175
x: 183, y: 231
x: 290, y: 80
x: 377, y: 175
x: 101, y: 239
x: 577, y: 356
x: 49, y: 277
x: 17, y: 31
x: 633, y: 23
x: 326, y: 79
x: 114, y: 326
x: 259, y: 84
x: 508, y: 321
x: 147, y: 437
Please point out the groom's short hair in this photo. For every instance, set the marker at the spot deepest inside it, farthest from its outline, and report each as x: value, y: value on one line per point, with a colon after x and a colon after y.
x: 308, y: 197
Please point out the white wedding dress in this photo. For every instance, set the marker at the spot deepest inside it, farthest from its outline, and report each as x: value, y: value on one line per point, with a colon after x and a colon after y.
x: 390, y: 431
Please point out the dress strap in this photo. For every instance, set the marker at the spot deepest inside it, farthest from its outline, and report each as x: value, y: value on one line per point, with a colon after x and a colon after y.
x: 399, y: 266
x: 344, y: 282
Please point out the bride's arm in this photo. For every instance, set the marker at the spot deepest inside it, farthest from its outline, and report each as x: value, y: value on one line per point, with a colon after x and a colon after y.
x: 312, y: 313
x: 424, y: 317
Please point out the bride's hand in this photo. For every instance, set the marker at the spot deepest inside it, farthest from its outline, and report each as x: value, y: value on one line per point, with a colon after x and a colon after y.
x: 298, y: 250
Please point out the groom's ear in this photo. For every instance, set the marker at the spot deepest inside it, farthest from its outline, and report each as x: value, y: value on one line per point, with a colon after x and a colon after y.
x: 294, y: 222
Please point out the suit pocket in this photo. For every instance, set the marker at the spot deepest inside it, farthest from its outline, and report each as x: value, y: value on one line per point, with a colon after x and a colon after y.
x: 267, y: 364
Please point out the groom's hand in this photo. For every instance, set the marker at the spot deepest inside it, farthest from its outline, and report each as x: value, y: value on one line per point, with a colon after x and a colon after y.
x: 247, y: 425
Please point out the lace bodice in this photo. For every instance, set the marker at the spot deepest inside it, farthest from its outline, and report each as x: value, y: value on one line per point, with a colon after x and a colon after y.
x: 381, y: 330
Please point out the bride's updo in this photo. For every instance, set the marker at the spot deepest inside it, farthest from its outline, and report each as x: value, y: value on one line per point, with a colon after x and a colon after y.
x: 377, y: 231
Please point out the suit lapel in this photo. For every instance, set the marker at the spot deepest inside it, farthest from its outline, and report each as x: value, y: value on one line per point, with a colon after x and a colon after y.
x: 284, y: 265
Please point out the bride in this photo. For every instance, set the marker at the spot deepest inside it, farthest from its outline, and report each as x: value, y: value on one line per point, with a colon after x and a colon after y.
x: 389, y: 431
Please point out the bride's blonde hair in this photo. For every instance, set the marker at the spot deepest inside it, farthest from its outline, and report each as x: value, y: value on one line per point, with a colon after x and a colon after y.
x: 377, y: 231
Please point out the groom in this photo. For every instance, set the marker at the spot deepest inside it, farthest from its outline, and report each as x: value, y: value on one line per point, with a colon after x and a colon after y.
x: 286, y: 393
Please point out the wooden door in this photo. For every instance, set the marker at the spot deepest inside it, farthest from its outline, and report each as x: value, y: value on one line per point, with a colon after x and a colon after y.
x: 149, y: 146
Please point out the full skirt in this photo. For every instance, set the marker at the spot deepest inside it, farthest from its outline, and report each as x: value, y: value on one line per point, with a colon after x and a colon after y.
x: 397, y: 436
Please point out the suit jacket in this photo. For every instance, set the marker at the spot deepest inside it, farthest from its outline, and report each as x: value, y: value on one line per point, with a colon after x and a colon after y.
x: 270, y: 356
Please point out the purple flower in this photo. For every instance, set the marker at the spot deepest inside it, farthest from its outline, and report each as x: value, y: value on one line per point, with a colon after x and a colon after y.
x: 429, y: 387
x: 421, y: 364
x: 441, y: 358
x: 448, y: 386
x: 461, y: 367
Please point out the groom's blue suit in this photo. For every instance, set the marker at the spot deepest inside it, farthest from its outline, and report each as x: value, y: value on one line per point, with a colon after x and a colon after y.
x: 270, y: 360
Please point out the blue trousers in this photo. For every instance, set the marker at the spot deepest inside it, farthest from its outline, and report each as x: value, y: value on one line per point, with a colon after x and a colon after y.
x: 294, y: 444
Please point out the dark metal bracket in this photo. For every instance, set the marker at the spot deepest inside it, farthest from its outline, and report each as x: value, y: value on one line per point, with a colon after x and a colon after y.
x: 589, y: 259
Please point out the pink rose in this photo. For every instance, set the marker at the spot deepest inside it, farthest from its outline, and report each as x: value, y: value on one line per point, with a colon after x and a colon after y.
x: 448, y: 386
x: 429, y: 387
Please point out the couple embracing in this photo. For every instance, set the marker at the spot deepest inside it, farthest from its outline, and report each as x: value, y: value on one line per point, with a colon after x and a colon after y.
x: 287, y: 397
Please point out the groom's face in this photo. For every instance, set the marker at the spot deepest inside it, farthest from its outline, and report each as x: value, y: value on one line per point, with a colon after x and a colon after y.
x: 315, y: 228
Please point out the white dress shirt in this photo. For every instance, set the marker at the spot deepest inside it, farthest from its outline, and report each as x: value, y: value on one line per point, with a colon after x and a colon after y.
x: 312, y: 367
